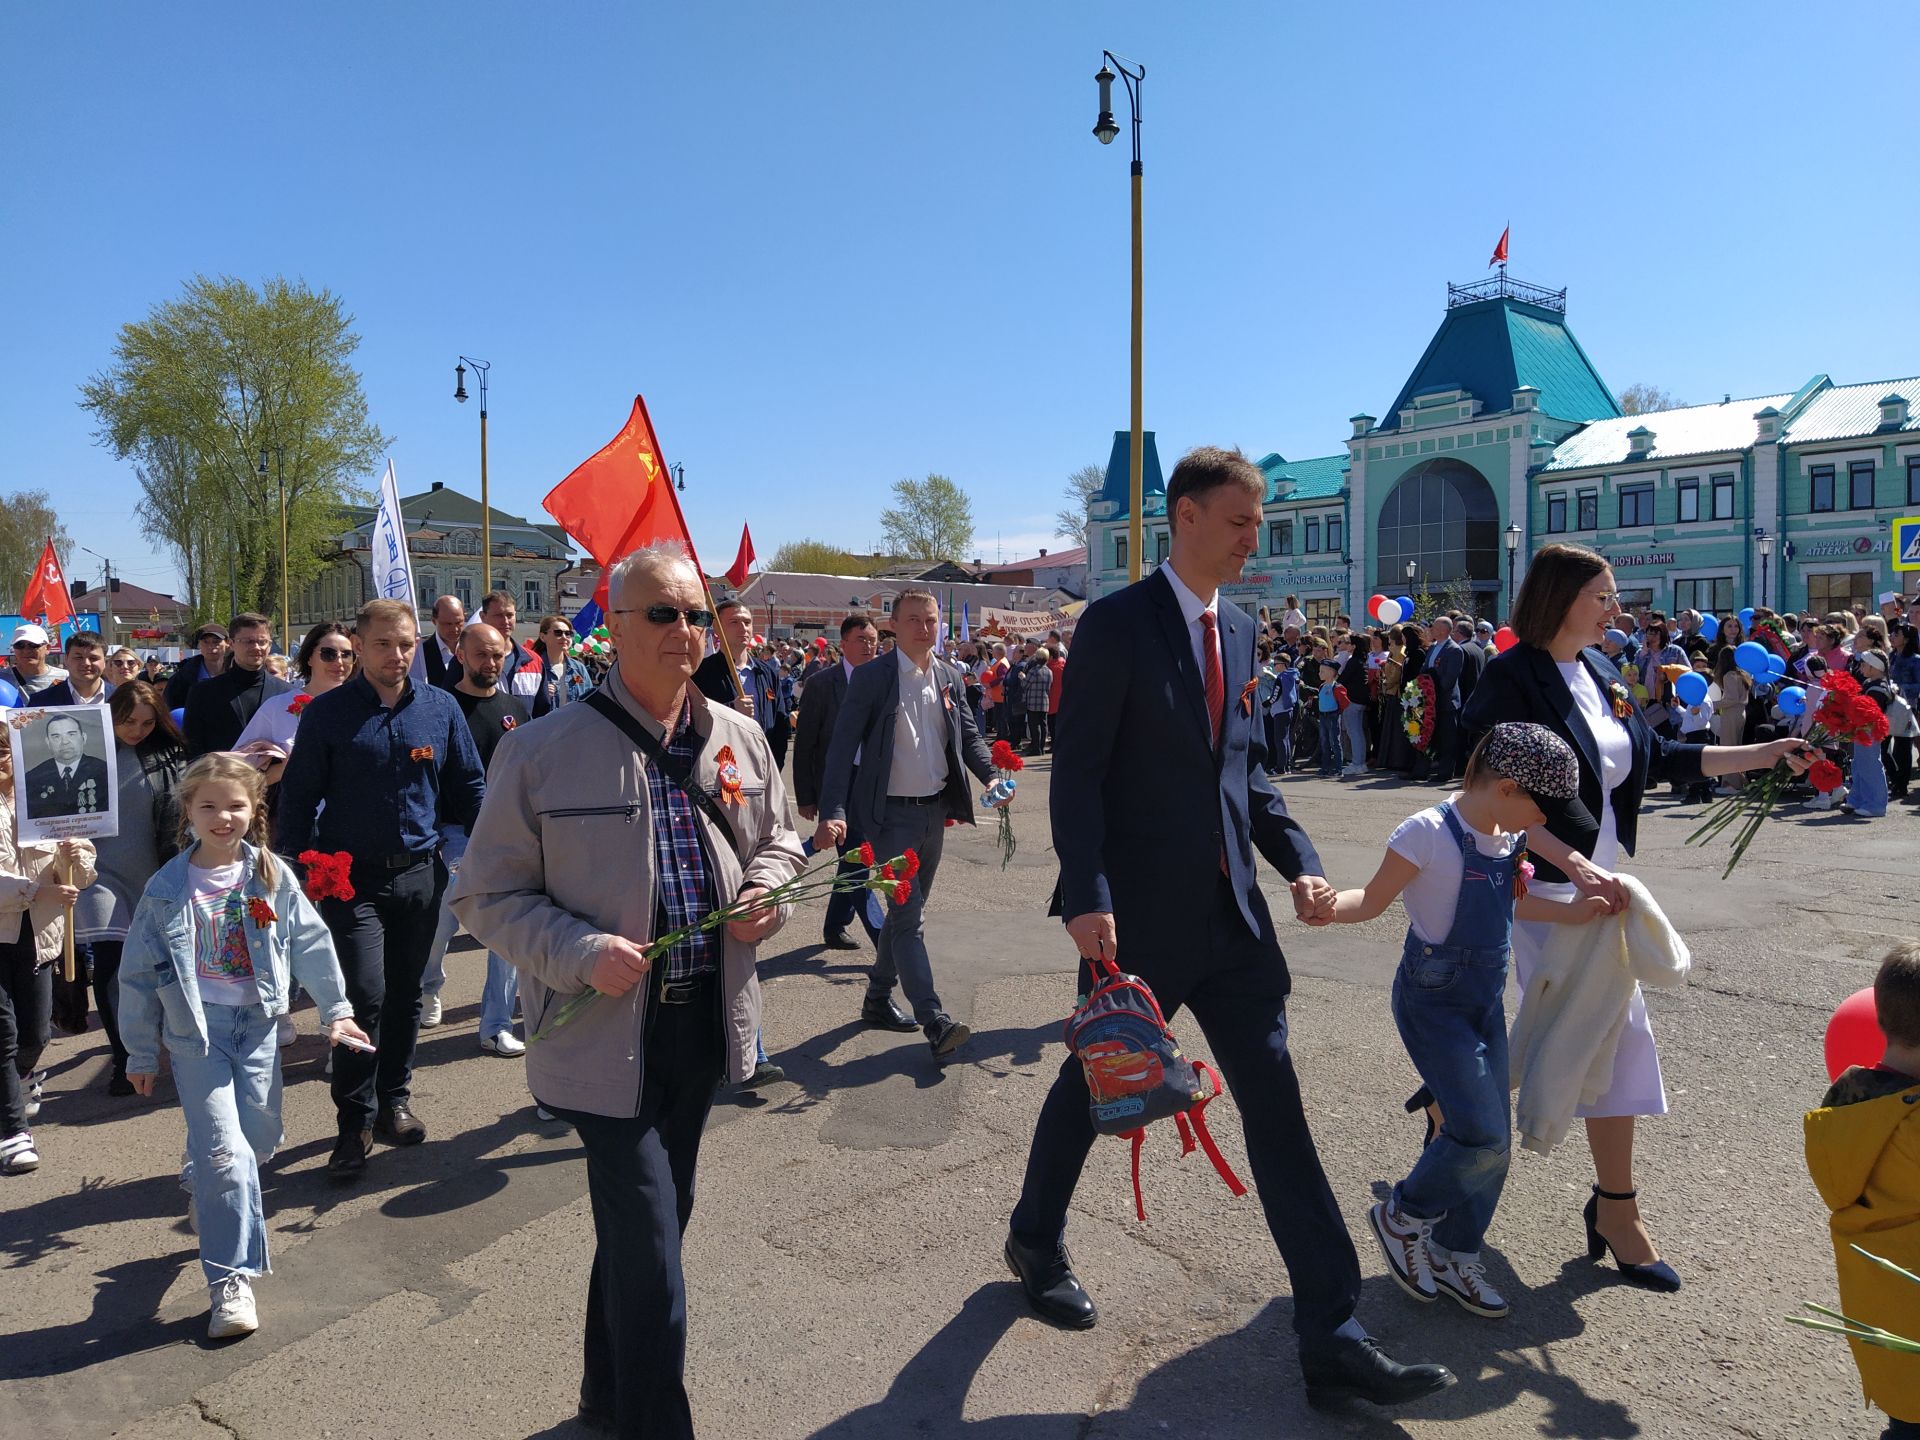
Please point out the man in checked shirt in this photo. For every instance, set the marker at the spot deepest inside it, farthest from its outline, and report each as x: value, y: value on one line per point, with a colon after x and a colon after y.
x: 587, y: 846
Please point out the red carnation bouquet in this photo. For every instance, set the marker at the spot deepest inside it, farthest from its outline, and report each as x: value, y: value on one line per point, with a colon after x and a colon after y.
x: 1008, y: 762
x: 298, y: 703
x: 892, y: 878
x: 1844, y: 716
x: 329, y: 877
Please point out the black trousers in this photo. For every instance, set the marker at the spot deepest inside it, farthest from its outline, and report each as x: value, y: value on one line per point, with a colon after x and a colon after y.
x: 104, y: 962
x: 845, y: 906
x: 1037, y: 730
x: 382, y: 936
x: 640, y: 1181
x: 1236, y: 988
x: 26, y: 1011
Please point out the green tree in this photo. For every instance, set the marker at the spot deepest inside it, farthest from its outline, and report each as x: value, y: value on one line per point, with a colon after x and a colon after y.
x: 27, y: 520
x: 1642, y: 398
x: 816, y: 557
x: 197, y: 390
x: 1083, y: 488
x: 930, y: 519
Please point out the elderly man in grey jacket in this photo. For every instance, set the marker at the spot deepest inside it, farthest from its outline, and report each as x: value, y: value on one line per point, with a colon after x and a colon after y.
x: 607, y: 823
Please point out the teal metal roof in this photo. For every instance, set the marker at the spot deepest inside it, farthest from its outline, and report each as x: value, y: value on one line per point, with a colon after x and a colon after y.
x: 1493, y: 347
x: 1118, y: 484
x: 1318, y: 479
x: 1690, y: 430
x: 1845, y: 411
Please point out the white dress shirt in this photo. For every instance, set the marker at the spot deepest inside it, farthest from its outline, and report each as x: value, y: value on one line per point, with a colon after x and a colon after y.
x: 1191, y: 608
x: 919, y: 732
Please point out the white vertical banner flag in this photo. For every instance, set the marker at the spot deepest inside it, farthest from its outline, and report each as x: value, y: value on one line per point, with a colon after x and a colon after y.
x: 392, y: 567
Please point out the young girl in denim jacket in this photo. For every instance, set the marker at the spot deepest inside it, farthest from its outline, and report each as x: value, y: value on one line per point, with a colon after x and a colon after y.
x: 221, y: 935
x: 1458, y: 868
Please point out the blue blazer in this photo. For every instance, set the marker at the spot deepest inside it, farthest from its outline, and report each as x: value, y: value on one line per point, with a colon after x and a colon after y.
x: 865, y: 725
x: 1142, y: 803
x: 1525, y: 684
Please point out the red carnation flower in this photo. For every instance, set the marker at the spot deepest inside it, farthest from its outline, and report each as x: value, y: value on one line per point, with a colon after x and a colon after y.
x: 910, y: 865
x: 1868, y: 725
x: 886, y: 872
x: 866, y: 853
x: 1825, y: 776
x: 902, y: 891
x: 329, y: 877
x: 298, y: 703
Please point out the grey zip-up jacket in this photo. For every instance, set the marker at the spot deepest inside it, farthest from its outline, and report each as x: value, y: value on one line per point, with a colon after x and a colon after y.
x: 561, y: 859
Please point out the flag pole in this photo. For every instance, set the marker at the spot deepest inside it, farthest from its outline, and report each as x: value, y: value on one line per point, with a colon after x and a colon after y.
x: 719, y: 635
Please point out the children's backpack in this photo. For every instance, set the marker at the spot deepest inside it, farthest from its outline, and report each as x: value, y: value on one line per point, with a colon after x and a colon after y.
x: 1340, y: 699
x: 1136, y: 1073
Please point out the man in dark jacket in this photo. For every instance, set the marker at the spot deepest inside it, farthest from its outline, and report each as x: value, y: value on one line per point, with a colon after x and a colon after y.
x: 759, y: 692
x: 211, y: 640
x: 1443, y: 663
x: 219, y: 709
x: 1473, y: 657
x: 820, y: 701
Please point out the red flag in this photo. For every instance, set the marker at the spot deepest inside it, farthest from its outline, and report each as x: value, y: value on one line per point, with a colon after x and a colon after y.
x: 46, y: 601
x: 620, y: 499
x: 743, y: 562
x: 1500, y: 250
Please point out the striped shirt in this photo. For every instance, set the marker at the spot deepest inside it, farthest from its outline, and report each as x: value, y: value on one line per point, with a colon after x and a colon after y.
x: 684, y: 886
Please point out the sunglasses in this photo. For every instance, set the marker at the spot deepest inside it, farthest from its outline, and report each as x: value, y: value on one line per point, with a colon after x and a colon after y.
x: 667, y: 614
x: 327, y: 652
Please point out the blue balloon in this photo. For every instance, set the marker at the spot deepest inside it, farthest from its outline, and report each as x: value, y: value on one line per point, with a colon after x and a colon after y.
x: 1775, y: 665
x: 1793, y: 700
x: 1746, y: 618
x: 1751, y: 656
x: 1406, y: 607
x: 1709, y: 627
x: 1691, y: 688
x: 179, y: 717
x: 10, y: 695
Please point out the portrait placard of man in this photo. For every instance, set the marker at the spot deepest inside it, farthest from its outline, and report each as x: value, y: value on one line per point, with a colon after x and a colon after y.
x: 63, y: 764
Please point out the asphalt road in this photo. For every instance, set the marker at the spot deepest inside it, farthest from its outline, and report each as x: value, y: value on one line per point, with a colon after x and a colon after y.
x: 844, y: 1261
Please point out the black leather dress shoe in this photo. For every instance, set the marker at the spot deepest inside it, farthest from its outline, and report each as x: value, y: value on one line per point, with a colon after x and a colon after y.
x: 946, y: 1035
x: 1051, y: 1287
x: 349, y: 1156
x: 397, y: 1125
x: 1361, y: 1370
x: 883, y: 1014
x: 839, y: 940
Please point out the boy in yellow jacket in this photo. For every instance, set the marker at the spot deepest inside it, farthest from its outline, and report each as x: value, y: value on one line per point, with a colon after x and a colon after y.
x: 1863, y: 1150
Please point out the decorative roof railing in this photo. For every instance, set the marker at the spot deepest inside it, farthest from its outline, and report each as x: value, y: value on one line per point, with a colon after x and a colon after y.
x: 1501, y: 287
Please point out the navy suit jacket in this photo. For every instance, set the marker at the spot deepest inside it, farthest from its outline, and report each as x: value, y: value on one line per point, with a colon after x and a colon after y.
x: 820, y: 701
x: 1444, y: 663
x: 764, y: 689
x: 866, y: 724
x: 1143, y: 805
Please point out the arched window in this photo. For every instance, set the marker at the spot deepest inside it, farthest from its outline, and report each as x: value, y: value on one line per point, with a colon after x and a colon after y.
x: 1443, y: 517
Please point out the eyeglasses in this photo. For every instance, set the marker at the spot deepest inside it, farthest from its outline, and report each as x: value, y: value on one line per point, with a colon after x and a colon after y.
x: 667, y: 614
x: 327, y: 652
x: 560, y: 630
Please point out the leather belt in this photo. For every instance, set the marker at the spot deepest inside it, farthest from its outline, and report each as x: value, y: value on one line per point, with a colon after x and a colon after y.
x: 686, y: 992
x: 405, y: 860
x: 916, y: 799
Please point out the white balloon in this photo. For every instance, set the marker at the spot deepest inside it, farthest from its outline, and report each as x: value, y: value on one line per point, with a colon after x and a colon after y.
x: 1389, y: 612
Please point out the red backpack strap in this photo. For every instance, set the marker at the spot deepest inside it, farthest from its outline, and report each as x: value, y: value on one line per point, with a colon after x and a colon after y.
x: 1139, y: 1138
x: 1224, y: 1170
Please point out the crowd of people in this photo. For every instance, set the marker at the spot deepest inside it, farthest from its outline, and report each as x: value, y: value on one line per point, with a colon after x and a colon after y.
x: 325, y: 823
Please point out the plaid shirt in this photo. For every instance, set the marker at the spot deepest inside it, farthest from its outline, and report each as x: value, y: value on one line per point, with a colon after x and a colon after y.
x: 685, y: 883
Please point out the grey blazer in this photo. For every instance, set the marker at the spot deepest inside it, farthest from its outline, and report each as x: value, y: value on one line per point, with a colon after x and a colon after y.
x: 865, y: 726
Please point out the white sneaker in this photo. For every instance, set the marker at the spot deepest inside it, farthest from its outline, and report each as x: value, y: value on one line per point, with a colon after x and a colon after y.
x: 1463, y: 1277
x: 36, y: 1087
x: 540, y: 1112
x: 1403, y: 1240
x: 233, y: 1308
x: 504, y: 1042
x: 429, y: 1012
x: 327, y: 1069
x: 17, y: 1155
x: 286, y: 1033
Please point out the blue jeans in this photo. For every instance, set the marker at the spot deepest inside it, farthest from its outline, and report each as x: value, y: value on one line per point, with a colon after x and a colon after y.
x: 1329, y: 742
x: 230, y: 1095
x: 502, y: 990
x: 1449, y: 1002
x: 1868, y: 792
x: 903, y: 957
x: 1353, y: 725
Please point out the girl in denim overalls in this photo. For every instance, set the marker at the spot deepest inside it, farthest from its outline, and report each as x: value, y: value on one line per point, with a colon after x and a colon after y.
x: 1460, y: 868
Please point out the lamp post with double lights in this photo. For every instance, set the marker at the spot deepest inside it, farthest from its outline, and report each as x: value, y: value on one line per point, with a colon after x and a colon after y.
x: 1763, y: 542
x: 1510, y: 537
x: 480, y: 369
x: 1106, y: 131
x: 286, y: 609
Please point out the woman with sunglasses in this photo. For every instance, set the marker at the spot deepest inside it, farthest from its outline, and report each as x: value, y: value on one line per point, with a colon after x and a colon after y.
x: 326, y: 661
x: 563, y: 678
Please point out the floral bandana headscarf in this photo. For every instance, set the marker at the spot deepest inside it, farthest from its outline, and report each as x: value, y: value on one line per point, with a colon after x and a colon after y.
x: 1534, y: 758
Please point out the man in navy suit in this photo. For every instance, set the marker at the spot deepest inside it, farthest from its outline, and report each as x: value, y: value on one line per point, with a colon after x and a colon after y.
x: 1160, y: 798
x: 1444, y: 661
x: 759, y: 692
x: 820, y: 701
x: 896, y: 773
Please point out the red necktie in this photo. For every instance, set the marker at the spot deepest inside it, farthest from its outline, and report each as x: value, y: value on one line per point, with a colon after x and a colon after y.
x: 1210, y: 673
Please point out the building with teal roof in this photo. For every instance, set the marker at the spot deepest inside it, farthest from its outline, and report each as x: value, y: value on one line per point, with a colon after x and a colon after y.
x: 1504, y: 437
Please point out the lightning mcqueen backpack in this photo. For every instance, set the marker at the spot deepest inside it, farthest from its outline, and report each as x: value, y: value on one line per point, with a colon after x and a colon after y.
x: 1136, y: 1073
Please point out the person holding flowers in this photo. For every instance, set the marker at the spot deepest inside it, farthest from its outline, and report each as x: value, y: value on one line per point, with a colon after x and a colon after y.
x: 1556, y: 675
x: 640, y: 996
x: 325, y: 662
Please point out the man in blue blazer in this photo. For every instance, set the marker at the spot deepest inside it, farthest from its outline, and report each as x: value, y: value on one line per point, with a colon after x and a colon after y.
x: 896, y: 773
x: 1160, y: 798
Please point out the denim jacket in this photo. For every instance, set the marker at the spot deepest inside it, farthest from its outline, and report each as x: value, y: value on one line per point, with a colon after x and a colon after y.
x: 159, y: 991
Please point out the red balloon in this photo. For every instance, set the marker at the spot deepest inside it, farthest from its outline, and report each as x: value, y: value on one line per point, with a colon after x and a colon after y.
x: 1504, y: 639
x: 1373, y: 605
x: 1853, y: 1035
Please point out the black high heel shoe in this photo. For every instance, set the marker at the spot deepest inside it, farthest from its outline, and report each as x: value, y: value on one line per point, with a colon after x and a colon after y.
x: 1421, y: 1102
x: 1657, y: 1276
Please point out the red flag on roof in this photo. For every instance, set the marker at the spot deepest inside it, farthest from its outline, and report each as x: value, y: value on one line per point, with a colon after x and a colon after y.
x: 1500, y: 250
x: 620, y: 498
x: 46, y: 600
x: 743, y: 562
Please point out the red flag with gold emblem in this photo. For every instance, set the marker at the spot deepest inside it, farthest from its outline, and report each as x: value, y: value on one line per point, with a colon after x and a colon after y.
x: 620, y: 498
x: 46, y: 601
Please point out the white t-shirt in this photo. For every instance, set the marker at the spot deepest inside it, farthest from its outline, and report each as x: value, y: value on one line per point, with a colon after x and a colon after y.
x: 1615, y: 749
x: 1433, y: 895
x: 222, y: 963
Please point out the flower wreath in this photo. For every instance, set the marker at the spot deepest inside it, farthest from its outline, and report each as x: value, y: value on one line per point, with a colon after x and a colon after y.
x: 1417, y: 708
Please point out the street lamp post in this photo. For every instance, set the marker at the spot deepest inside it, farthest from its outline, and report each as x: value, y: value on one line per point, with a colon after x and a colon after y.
x: 772, y: 600
x: 280, y: 477
x: 1511, y: 537
x: 1763, y: 542
x: 1105, y: 131
x: 480, y: 369
x: 679, y: 476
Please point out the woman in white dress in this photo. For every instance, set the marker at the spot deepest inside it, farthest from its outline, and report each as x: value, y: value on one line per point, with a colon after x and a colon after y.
x: 1558, y: 676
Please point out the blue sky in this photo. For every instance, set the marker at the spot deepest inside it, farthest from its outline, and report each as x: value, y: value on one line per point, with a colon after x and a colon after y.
x: 837, y: 244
